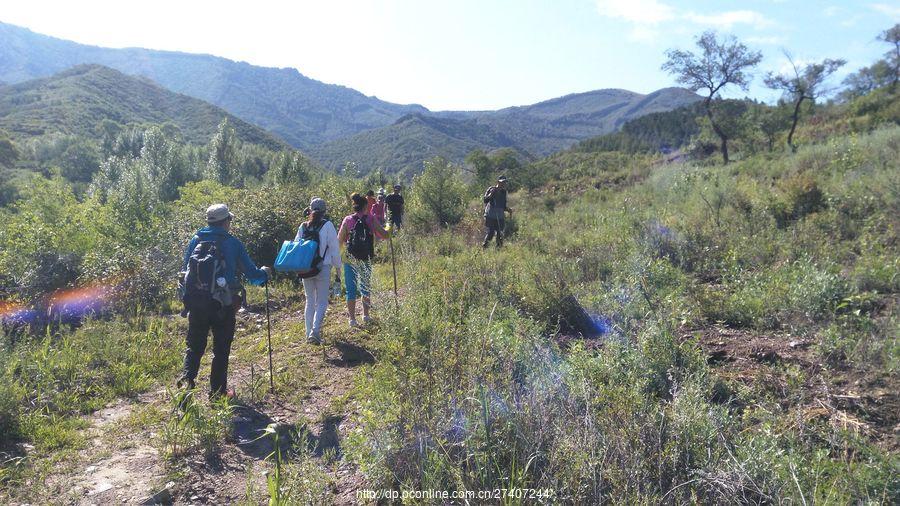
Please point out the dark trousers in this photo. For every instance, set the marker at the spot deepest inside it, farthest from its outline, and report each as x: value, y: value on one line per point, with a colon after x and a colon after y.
x: 396, y: 220
x: 494, y: 227
x: 200, y: 321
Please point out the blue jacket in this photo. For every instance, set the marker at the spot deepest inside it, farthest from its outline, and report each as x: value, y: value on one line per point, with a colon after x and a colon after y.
x: 236, y: 257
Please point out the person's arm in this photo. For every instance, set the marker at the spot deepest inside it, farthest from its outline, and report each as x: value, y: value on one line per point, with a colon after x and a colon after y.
x: 255, y: 276
x: 489, y: 195
x: 342, y: 234
x: 187, y: 252
x: 334, y: 246
x: 380, y: 232
x: 299, y: 234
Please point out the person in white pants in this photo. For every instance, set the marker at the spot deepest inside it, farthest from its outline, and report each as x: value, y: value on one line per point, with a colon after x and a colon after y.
x: 317, y: 287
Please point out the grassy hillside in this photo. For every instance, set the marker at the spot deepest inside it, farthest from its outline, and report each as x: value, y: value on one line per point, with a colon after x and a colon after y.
x: 652, y: 332
x: 77, y: 100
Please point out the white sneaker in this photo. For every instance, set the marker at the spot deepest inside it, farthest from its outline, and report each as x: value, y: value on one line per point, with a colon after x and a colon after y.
x: 314, y: 339
x: 353, y: 324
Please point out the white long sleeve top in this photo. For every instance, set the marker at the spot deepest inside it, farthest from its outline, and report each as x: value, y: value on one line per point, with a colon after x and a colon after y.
x: 329, y: 248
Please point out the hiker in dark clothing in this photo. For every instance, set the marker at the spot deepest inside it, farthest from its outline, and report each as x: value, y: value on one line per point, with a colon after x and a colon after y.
x: 212, y: 303
x: 494, y: 207
x: 394, y: 203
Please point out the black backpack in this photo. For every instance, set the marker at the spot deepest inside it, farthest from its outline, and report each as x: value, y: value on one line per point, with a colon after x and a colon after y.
x: 315, y: 267
x: 205, y: 266
x: 360, y: 241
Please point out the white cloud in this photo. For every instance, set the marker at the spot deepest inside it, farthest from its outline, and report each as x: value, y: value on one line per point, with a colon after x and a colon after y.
x: 831, y: 10
x: 726, y: 20
x: 647, y: 16
x: 892, y: 11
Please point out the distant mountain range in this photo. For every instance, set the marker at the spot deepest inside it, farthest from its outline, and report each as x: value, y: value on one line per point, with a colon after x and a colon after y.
x: 300, y: 110
x: 77, y: 100
x: 336, y: 124
x: 537, y: 130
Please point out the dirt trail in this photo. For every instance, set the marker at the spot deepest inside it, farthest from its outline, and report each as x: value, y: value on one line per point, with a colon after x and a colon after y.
x: 123, y: 462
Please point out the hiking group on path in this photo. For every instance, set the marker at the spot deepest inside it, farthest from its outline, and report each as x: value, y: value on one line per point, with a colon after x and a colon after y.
x: 211, y: 290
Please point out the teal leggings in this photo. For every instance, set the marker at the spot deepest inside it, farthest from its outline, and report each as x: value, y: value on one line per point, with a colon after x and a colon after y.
x: 357, y: 278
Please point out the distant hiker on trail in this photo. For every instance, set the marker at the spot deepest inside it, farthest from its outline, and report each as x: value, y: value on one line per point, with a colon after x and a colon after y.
x: 379, y: 207
x: 357, y: 234
x: 494, y: 208
x: 212, y: 294
x: 394, y: 203
x: 370, y: 201
x: 320, y: 229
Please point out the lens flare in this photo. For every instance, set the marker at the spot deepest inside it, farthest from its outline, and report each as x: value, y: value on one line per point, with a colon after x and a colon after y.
x: 77, y: 303
x: 13, y: 313
x: 64, y: 305
x: 602, y: 325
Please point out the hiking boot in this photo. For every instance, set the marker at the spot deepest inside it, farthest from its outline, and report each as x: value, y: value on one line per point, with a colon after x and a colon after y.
x: 314, y: 339
x: 185, y: 383
x: 228, y: 394
x: 353, y: 324
x: 367, y: 320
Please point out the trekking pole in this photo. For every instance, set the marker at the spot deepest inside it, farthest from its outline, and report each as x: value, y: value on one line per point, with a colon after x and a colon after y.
x: 269, y: 329
x: 394, y: 267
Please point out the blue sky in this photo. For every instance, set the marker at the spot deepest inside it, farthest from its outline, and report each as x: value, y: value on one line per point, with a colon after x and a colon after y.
x: 471, y: 54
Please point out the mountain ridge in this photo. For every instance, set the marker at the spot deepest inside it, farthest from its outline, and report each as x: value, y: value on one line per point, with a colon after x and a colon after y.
x: 335, y: 123
x: 299, y: 109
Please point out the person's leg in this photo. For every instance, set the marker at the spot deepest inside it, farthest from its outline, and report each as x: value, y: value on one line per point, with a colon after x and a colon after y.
x: 320, y: 287
x: 365, y: 287
x: 500, y: 227
x: 223, y: 334
x: 350, y: 285
x: 198, y: 330
x: 309, y: 289
x: 489, y: 223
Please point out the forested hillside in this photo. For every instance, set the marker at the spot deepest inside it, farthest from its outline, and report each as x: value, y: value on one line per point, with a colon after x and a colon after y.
x: 78, y: 100
x: 300, y: 110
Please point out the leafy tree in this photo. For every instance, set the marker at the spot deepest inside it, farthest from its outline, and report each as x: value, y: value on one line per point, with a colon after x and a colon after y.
x: 289, y: 168
x: 892, y: 57
x: 866, y: 80
x: 223, y: 162
x: 771, y: 121
x: 718, y: 65
x: 728, y: 118
x: 129, y: 142
x: 8, y: 151
x: 487, y: 167
x: 438, y: 195
x: 164, y: 164
x: 481, y: 166
x: 79, y: 161
x: 805, y: 84
x: 108, y: 131
x: 8, y: 190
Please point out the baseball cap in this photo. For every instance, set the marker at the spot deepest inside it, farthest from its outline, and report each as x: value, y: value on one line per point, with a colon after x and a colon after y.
x: 502, y: 179
x: 217, y: 212
x: 317, y: 204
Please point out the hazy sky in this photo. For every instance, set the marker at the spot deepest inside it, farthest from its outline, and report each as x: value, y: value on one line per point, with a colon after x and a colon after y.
x: 470, y: 54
